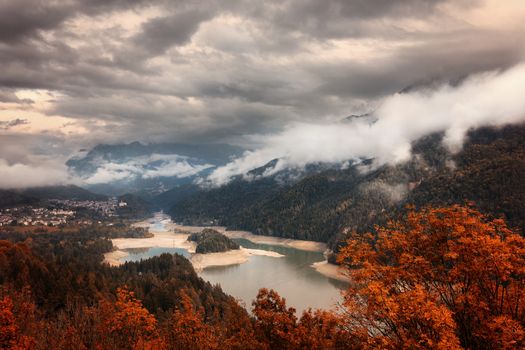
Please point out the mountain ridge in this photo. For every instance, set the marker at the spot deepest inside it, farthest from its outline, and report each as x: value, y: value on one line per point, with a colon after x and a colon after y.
x: 326, y: 206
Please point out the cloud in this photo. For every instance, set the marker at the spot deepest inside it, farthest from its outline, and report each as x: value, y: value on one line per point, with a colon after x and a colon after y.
x: 20, y: 175
x: 5, y: 125
x: 492, y: 98
x: 201, y: 72
x: 145, y: 167
x: 24, y: 18
x: 161, y: 33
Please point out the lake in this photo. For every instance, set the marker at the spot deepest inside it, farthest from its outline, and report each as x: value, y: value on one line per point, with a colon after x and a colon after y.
x: 291, y: 276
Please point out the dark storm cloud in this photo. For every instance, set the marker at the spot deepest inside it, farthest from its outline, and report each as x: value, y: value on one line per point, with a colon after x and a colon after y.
x: 19, y: 19
x: 343, y: 18
x: 25, y: 18
x: 161, y: 33
x: 442, y: 60
x: 205, y: 70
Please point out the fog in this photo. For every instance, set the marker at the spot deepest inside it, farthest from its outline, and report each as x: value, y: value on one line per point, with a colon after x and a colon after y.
x: 488, y: 99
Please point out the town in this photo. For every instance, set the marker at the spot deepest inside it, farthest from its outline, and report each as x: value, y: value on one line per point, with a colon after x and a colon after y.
x: 60, y: 212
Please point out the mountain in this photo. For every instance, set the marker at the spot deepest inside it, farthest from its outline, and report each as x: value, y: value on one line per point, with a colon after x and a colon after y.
x: 223, y: 204
x: 168, y: 199
x: 489, y: 172
x: 38, y: 195
x: 147, y: 169
x: 61, y: 192
x: 11, y: 198
x: 134, y: 207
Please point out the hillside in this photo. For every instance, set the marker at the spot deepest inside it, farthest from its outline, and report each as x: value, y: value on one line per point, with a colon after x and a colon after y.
x: 62, y: 192
x: 38, y: 195
x: 211, y: 241
x: 64, y: 270
x: 168, y: 199
x: 147, y: 169
x: 10, y: 198
x: 323, y: 207
x: 135, y: 207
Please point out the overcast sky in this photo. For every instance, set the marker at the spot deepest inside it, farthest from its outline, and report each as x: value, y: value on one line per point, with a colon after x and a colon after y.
x: 79, y: 72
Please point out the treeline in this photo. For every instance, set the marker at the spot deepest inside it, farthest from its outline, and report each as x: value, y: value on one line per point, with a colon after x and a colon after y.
x: 445, y: 278
x: 488, y: 172
x: 135, y: 208
x: 41, y: 195
x: 211, y: 241
x: 67, y: 267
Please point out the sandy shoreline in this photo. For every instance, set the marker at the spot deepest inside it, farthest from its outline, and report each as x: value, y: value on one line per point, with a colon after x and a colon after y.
x: 175, y: 236
x: 114, y: 258
x: 232, y: 257
x: 292, y: 243
x: 330, y: 270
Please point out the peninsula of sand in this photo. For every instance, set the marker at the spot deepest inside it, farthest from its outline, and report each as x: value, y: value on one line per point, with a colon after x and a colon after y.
x: 167, y: 234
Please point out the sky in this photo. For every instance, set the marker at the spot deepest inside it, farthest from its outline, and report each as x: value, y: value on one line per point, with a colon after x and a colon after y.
x: 260, y: 74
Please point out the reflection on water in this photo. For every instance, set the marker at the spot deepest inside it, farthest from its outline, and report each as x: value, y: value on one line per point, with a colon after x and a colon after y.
x: 137, y: 254
x: 291, y: 276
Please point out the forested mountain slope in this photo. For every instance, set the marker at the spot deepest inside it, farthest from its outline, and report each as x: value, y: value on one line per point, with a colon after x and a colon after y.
x: 64, y: 270
x: 38, y: 195
x: 488, y: 171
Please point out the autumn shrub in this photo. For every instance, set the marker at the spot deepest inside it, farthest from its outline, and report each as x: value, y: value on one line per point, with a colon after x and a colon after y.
x: 440, y: 279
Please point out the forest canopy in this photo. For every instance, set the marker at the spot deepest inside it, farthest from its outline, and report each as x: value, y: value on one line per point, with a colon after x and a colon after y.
x: 440, y: 278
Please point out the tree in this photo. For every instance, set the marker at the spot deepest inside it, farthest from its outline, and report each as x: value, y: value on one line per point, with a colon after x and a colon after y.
x: 11, y: 336
x: 130, y: 325
x: 438, y: 279
x: 187, y: 329
x: 8, y: 328
x: 275, y: 322
x: 321, y: 329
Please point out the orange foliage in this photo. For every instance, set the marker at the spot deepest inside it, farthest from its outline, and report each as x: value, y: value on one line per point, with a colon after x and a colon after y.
x: 445, y: 278
x: 128, y: 323
x: 187, y: 329
x: 8, y: 328
x: 277, y: 326
x: 441, y: 278
x: 323, y: 330
x: 275, y: 323
x: 11, y: 336
x: 237, y: 332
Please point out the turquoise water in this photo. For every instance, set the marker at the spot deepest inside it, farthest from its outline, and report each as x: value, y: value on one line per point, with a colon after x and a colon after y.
x: 137, y: 254
x: 291, y: 276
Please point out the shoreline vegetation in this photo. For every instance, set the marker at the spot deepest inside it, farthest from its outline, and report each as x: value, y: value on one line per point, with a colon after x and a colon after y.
x: 211, y: 241
x: 176, y: 236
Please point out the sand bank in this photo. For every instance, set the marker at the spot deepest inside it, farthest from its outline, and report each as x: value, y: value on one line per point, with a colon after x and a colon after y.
x: 232, y: 257
x: 293, y: 243
x: 175, y: 236
x: 330, y: 270
x: 159, y: 239
x: 114, y: 258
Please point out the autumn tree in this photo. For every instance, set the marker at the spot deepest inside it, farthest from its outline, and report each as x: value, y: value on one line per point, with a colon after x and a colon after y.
x: 11, y: 336
x: 322, y: 329
x: 439, y: 279
x: 8, y: 328
x: 236, y: 332
x: 187, y: 329
x: 128, y: 324
x: 275, y: 322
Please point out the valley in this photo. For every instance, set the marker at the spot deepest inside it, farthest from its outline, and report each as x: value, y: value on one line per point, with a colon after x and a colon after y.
x: 284, y: 265
x: 262, y: 175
